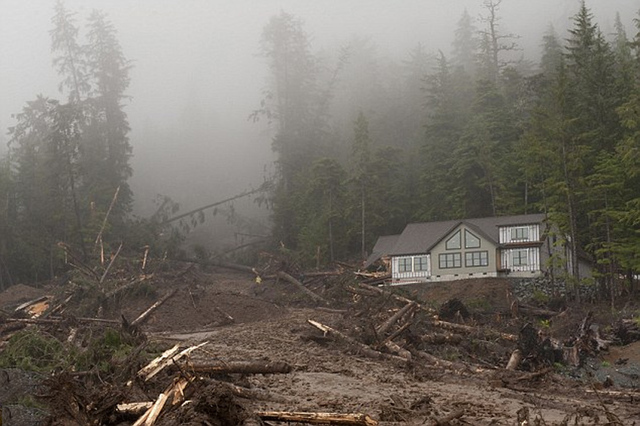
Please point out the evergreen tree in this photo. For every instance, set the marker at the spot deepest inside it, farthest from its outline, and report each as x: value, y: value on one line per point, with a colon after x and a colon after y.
x: 551, y: 59
x: 361, y: 152
x: 70, y: 62
x: 465, y: 45
x: 493, y: 44
x: 450, y: 111
x: 323, y: 228
x: 290, y: 100
x: 106, y: 149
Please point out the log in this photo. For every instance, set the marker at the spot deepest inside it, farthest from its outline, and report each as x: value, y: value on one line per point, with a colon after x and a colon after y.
x: 133, y: 408
x: 147, y: 371
x: 538, y: 312
x: 165, y: 359
x: 396, y: 296
x: 395, y: 317
x: 468, y: 329
x: 32, y: 302
x: 113, y: 259
x: 331, y: 311
x: 364, y: 349
x: 514, y: 360
x: 143, y: 316
x: 242, y: 367
x: 312, y: 295
x: 175, y: 390
x: 397, y: 349
x: 535, y: 374
x: 56, y: 320
x: 150, y: 416
x: 441, y: 339
x: 398, y: 332
x: 318, y: 418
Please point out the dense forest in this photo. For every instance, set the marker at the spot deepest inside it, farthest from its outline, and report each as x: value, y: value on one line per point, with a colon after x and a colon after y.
x: 364, y: 145
x: 479, y: 132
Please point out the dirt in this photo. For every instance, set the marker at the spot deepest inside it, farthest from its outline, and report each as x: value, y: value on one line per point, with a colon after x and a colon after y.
x: 269, y: 322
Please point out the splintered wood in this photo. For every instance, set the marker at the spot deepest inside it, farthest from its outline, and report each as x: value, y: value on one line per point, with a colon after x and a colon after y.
x: 158, y: 364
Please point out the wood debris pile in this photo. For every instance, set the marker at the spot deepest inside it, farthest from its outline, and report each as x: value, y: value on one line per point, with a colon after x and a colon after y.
x: 102, y: 373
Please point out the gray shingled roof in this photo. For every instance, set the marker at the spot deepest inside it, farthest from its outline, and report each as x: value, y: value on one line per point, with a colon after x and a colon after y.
x: 421, y: 237
x: 383, y: 247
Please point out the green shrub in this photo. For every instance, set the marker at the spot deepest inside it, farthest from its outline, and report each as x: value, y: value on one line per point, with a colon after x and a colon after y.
x: 32, y: 350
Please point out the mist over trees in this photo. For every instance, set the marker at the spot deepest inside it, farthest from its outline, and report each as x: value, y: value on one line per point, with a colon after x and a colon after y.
x: 478, y: 132
x: 68, y: 159
x: 364, y: 143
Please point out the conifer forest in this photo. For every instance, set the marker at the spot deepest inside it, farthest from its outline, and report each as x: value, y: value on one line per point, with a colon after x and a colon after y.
x: 362, y: 144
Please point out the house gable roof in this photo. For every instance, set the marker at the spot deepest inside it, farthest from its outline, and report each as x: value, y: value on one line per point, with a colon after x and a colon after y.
x: 383, y: 247
x: 422, y: 237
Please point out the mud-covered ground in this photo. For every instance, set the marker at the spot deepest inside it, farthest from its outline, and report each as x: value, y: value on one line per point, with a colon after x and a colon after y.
x: 269, y: 322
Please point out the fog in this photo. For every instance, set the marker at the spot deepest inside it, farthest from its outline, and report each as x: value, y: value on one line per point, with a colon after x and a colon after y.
x: 197, y: 73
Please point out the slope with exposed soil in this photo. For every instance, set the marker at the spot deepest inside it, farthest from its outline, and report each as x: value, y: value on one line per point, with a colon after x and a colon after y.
x: 244, y: 321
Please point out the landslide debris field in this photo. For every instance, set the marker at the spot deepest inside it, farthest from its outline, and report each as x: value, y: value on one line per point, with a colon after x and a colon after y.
x: 230, y: 351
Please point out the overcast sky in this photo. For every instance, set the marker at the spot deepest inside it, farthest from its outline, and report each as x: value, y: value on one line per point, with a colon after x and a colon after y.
x: 197, y: 74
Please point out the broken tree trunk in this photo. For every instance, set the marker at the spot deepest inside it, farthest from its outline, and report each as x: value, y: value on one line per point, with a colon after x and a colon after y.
x: 318, y: 418
x: 395, y: 296
x: 469, y: 329
x: 56, y: 320
x: 397, y: 349
x: 242, y: 367
x: 134, y: 408
x: 174, y: 391
x: 514, y: 360
x: 312, y: 295
x: 143, y: 316
x: 441, y: 338
x: 169, y: 356
x: 364, y: 349
x: 538, y: 312
x: 395, y: 317
x: 148, y: 371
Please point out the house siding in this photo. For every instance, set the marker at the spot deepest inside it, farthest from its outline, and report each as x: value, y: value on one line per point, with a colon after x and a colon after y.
x: 410, y: 275
x: 521, y: 246
x: 522, y: 259
x: 463, y: 271
x: 508, y: 234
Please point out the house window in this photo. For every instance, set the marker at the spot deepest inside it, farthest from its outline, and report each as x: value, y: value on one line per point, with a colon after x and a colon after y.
x: 470, y: 240
x: 404, y: 264
x: 450, y: 260
x: 520, y: 257
x: 453, y: 243
x: 476, y: 258
x: 420, y: 263
x: 520, y: 234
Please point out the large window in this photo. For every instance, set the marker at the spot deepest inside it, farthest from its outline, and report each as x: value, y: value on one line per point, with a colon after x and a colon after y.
x: 520, y: 233
x: 421, y: 263
x: 453, y: 243
x: 520, y: 257
x: 404, y: 264
x: 450, y: 260
x: 470, y: 240
x: 476, y: 258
